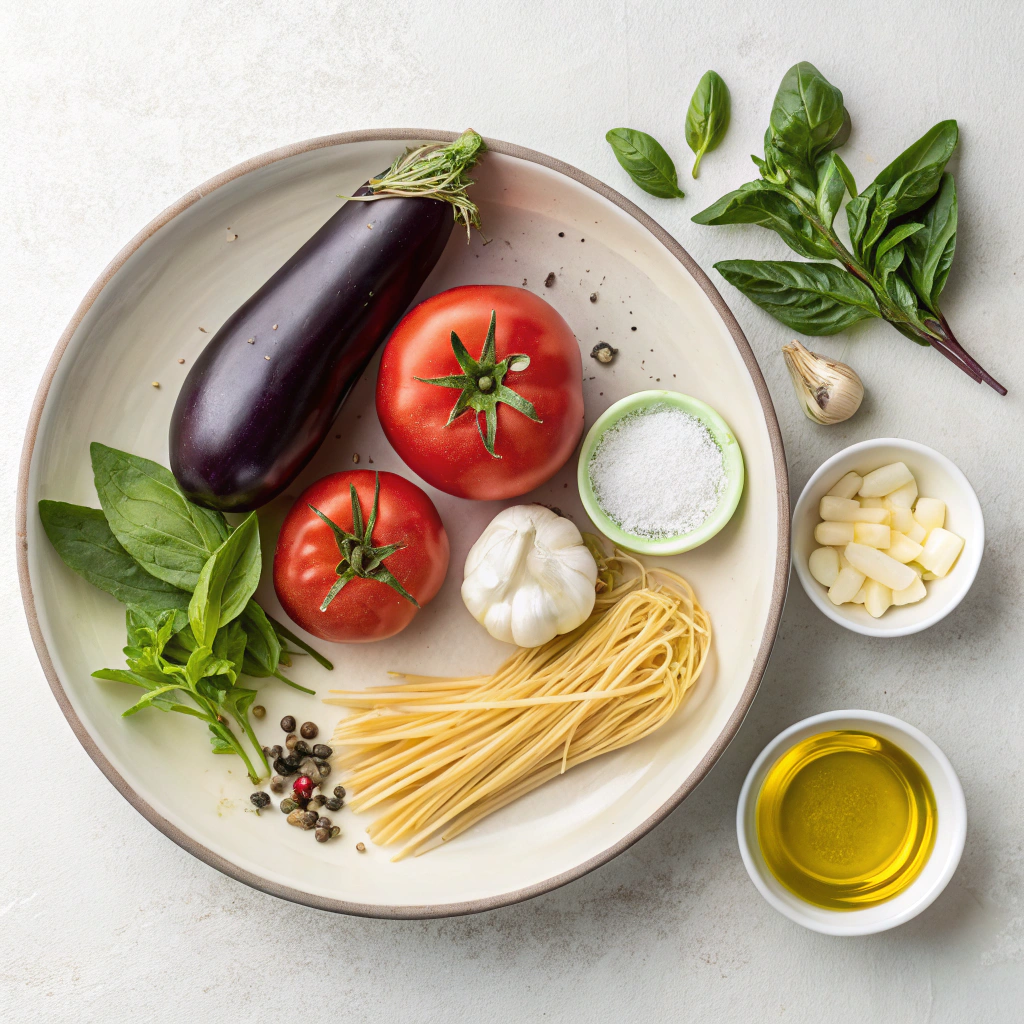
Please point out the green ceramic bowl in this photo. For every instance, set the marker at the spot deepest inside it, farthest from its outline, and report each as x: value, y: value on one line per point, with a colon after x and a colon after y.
x: 732, y: 458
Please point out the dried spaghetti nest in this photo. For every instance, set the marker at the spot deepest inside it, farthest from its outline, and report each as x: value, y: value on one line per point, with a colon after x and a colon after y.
x: 436, y: 755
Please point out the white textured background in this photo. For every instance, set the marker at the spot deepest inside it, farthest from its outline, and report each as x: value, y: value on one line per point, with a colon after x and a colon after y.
x: 114, y: 108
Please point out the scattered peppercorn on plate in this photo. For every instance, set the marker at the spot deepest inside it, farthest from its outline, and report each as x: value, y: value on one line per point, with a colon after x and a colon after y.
x: 617, y: 279
x: 887, y: 537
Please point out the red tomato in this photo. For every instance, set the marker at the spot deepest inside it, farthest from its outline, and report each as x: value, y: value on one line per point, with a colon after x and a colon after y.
x: 536, y: 401
x: 407, y: 545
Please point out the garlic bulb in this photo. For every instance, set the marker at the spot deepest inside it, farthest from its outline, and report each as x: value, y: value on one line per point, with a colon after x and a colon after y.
x: 529, y: 576
x: 829, y: 391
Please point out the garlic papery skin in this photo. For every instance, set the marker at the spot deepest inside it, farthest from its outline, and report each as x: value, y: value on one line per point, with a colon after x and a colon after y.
x: 529, y: 577
x: 829, y: 391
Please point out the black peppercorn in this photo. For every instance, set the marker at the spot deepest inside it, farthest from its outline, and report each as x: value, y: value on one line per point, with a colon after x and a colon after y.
x: 282, y: 767
x: 323, y: 822
x: 334, y: 803
x: 276, y: 750
x: 301, y: 747
x: 258, y: 711
x: 259, y: 799
x: 288, y: 805
x: 603, y: 352
x: 325, y: 768
x: 309, y: 731
x: 322, y: 835
x: 290, y: 740
x: 293, y: 760
x: 277, y: 784
x: 339, y: 791
x: 288, y: 723
x: 309, y: 819
x: 322, y: 751
x: 317, y: 802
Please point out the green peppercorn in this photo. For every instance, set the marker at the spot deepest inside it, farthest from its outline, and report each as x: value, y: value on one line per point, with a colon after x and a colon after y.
x: 258, y: 711
x: 288, y: 805
x: 335, y: 831
x: 290, y: 740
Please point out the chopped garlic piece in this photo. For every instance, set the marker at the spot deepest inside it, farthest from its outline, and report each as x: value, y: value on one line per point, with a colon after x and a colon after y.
x: 917, y: 533
x: 845, y: 588
x: 881, y: 482
x: 839, y: 510
x: 872, y: 534
x: 910, y: 595
x: 847, y: 487
x: 903, y: 497
x: 902, y: 548
x: 858, y: 598
x: 824, y: 565
x: 873, y: 503
x: 843, y: 510
x: 902, y: 520
x: 940, y: 551
x: 879, y: 566
x: 833, y: 533
x: 877, y: 598
x: 930, y: 513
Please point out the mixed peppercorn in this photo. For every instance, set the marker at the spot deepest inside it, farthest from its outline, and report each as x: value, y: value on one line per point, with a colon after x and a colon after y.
x: 311, y: 766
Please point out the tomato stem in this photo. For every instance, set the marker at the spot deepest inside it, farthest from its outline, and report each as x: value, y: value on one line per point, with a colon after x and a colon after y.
x: 359, y: 558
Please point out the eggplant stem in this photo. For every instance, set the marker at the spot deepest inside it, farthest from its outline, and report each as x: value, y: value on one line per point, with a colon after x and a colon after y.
x: 434, y: 171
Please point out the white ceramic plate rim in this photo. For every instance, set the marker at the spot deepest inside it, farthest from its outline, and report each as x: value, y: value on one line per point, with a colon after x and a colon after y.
x: 968, y: 566
x: 851, y: 922
x: 779, y: 585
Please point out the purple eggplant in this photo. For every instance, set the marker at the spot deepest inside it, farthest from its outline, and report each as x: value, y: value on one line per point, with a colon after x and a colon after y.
x: 261, y: 398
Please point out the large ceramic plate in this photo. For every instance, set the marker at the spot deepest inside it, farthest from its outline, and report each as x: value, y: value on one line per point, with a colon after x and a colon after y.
x: 143, y: 314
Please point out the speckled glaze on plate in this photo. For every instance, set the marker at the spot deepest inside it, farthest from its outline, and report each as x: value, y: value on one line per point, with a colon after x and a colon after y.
x: 143, y: 315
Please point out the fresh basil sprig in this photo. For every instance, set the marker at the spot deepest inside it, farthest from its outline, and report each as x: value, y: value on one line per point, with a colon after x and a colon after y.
x: 191, y: 639
x: 902, y: 226
x: 708, y: 116
x: 645, y: 161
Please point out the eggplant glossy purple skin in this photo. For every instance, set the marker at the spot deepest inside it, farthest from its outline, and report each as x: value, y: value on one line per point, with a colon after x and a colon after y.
x: 260, y: 399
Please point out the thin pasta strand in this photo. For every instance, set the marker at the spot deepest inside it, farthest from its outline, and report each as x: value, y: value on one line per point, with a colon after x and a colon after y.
x: 443, y: 753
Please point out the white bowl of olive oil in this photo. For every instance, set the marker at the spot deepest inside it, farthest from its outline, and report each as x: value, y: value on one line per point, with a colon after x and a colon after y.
x: 851, y: 822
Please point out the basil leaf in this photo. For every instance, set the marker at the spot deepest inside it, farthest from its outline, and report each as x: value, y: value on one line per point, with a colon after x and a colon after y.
x: 812, y: 298
x: 897, y: 235
x: 227, y: 581
x: 831, y: 189
x: 262, y: 646
x: 912, y: 178
x: 858, y: 215
x: 82, y: 538
x: 900, y: 292
x: 154, y: 522
x: 644, y: 160
x: 807, y: 119
x: 708, y: 116
x: 930, y: 251
x: 760, y: 202
x: 887, y: 263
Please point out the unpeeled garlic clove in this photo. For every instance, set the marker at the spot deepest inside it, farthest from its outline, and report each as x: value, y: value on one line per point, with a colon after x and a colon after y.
x: 829, y: 391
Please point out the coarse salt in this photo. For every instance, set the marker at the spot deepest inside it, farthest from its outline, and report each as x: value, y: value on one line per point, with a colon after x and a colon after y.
x: 658, y: 473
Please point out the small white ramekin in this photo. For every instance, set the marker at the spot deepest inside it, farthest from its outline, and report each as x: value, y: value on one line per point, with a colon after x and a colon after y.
x: 937, y: 477
x: 950, y: 834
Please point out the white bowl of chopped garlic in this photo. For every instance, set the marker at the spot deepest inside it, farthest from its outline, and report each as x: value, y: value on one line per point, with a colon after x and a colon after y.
x: 887, y: 537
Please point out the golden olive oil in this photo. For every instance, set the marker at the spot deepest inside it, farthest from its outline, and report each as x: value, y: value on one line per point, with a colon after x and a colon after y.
x: 846, y: 820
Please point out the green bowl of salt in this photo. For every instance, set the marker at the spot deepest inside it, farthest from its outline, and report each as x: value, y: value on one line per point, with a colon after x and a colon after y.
x: 660, y: 473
